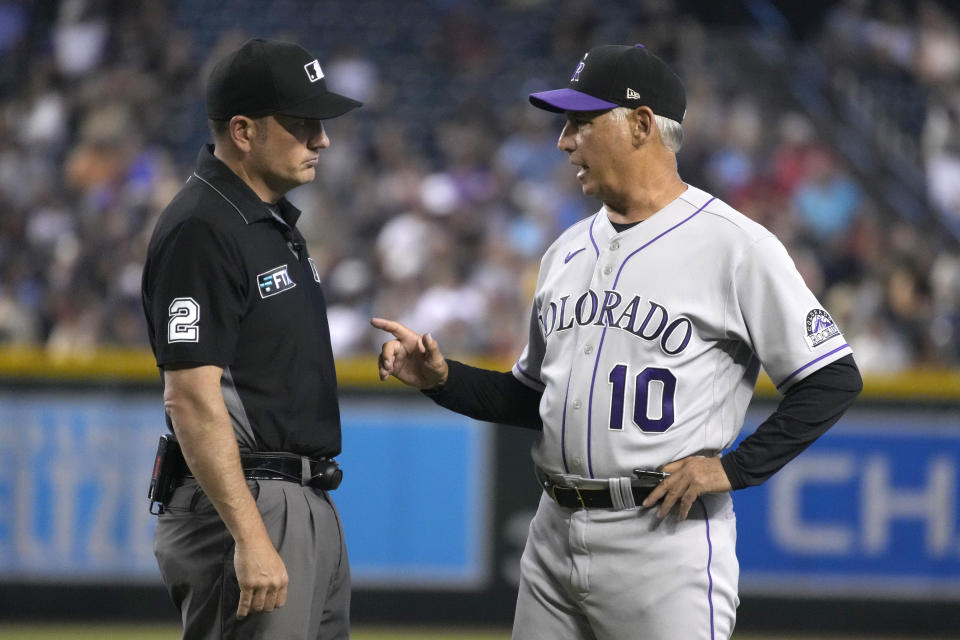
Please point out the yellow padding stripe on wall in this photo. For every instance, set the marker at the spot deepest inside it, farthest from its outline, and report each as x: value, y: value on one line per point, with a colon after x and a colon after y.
x: 33, y: 364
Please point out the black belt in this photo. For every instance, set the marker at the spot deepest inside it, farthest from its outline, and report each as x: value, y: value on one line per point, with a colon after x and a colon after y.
x: 575, y: 498
x: 322, y: 473
x: 597, y: 497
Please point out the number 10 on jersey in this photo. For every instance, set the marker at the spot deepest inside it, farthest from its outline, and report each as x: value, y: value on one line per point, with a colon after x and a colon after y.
x: 653, y: 398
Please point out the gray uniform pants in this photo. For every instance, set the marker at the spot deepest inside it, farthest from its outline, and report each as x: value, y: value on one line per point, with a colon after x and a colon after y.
x: 606, y: 574
x: 195, y: 554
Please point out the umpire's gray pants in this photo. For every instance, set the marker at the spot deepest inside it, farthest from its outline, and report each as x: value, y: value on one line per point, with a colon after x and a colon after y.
x: 195, y: 554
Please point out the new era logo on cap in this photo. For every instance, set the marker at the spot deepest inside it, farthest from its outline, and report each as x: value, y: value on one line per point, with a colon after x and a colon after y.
x: 632, y: 95
x: 314, y: 72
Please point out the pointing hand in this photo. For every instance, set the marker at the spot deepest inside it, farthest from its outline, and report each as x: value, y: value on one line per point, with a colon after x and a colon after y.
x: 411, y: 358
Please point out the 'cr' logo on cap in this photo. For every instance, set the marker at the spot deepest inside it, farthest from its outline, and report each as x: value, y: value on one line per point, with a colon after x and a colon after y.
x: 576, y: 74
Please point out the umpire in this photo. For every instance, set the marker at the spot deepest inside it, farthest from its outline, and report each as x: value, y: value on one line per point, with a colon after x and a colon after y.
x: 249, y: 542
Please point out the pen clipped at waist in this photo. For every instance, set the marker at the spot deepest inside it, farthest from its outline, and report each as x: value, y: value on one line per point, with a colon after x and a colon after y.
x: 649, y: 477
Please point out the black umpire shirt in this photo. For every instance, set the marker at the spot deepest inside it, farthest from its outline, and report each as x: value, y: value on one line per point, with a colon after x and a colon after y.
x: 228, y: 282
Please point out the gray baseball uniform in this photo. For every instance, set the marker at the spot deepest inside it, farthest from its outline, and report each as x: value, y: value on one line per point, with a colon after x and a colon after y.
x: 647, y: 345
x: 646, y: 340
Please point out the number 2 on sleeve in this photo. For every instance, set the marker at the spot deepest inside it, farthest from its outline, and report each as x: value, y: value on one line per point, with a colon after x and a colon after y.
x: 184, y: 316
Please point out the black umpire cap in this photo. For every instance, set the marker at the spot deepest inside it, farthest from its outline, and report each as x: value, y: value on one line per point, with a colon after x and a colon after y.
x: 613, y: 75
x: 265, y: 77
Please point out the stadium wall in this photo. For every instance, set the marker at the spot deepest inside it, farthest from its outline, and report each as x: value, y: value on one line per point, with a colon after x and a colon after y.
x: 861, y: 533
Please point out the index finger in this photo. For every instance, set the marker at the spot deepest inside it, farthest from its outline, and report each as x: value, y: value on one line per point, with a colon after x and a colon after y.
x: 398, y: 330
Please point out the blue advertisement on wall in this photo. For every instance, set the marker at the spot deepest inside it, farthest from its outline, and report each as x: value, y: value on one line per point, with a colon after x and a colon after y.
x: 869, y: 510
x: 415, y: 499
x: 74, y: 472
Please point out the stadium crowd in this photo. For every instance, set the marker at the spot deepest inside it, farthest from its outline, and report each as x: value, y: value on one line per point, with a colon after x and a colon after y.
x: 435, y: 201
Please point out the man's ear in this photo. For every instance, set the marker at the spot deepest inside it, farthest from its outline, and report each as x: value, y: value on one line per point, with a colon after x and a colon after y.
x: 242, y: 131
x: 641, y: 125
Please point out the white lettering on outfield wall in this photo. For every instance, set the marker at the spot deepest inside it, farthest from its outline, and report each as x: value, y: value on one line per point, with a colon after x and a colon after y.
x: 788, y: 527
x: 884, y: 502
x: 69, y: 497
x: 932, y: 504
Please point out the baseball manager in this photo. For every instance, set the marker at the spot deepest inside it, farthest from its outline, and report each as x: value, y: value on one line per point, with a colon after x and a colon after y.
x: 650, y: 322
x: 248, y: 540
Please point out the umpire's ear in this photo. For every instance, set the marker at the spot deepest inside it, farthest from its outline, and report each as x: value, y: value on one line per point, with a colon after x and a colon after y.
x: 242, y: 131
x: 642, y: 125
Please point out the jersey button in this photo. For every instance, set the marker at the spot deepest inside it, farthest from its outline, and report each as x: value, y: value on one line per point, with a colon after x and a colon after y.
x: 577, y: 404
x: 614, y: 246
x: 588, y: 349
x: 607, y: 270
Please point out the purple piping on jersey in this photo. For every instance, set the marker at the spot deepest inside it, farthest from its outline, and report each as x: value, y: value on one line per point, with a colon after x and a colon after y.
x: 527, y: 375
x: 706, y: 519
x: 596, y: 363
x: 617, y: 279
x: 812, y: 362
x: 593, y: 222
x: 593, y: 381
x: 563, y: 427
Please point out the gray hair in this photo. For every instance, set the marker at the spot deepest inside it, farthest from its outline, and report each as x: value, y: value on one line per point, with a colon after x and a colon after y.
x: 671, y: 131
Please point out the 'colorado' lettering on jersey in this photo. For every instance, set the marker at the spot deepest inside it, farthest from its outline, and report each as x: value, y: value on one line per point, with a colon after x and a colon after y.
x: 643, y: 318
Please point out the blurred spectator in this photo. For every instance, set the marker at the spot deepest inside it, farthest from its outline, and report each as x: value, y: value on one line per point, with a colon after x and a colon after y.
x: 79, y: 37
x: 827, y: 199
x: 941, y: 141
x: 880, y: 350
x: 938, y: 45
x: 405, y: 245
x: 353, y: 75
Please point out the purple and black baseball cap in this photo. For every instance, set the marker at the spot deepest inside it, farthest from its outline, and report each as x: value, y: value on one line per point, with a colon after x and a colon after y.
x: 265, y: 77
x: 613, y: 75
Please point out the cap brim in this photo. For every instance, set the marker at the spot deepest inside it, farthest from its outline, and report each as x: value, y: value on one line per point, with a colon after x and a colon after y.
x: 322, y: 107
x: 560, y: 100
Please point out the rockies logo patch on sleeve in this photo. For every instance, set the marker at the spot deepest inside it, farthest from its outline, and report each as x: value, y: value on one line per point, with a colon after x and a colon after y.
x: 275, y: 281
x: 820, y: 328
